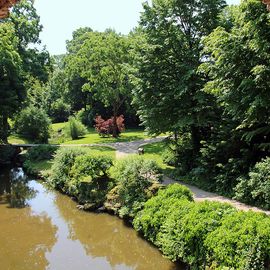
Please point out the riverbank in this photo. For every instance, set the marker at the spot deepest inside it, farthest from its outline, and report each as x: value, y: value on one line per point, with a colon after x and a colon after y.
x: 199, y: 233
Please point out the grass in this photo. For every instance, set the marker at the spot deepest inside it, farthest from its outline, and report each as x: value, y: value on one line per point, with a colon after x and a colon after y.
x: 92, y: 136
x: 154, y: 151
x: 102, y: 150
x: 16, y: 139
x: 57, y: 126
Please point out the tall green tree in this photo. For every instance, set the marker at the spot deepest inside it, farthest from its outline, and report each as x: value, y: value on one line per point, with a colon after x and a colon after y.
x: 169, y: 94
x: 27, y: 27
x: 239, y: 66
x: 11, y: 87
x: 72, y: 71
x: 104, y: 59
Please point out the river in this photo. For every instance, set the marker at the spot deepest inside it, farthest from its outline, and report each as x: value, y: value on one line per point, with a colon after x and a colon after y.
x: 42, y: 229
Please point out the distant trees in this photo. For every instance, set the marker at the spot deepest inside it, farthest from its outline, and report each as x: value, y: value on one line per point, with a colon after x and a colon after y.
x: 104, y: 59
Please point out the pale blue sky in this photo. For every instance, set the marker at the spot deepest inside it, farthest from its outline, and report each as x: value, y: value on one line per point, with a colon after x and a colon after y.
x: 61, y: 17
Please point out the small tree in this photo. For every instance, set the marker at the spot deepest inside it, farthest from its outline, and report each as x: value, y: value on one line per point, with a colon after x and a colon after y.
x: 74, y: 128
x: 106, y: 127
x: 33, y: 123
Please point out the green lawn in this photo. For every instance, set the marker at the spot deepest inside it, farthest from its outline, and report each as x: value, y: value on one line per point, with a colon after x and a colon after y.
x: 17, y: 139
x: 92, y: 136
x: 102, y: 150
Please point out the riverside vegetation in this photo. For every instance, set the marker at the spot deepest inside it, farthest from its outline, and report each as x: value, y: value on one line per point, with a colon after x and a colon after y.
x: 200, y: 77
x: 206, y: 235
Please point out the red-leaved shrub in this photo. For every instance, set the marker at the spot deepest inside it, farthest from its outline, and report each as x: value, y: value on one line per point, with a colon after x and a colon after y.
x: 105, y: 127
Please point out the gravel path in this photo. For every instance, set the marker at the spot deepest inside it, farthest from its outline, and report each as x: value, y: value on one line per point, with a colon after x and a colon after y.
x: 125, y: 148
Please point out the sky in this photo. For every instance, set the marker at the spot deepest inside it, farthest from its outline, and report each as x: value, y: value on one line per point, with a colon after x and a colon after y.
x: 61, y: 17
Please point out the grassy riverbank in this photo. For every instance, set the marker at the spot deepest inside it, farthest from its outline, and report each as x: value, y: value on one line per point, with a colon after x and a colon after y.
x: 206, y: 235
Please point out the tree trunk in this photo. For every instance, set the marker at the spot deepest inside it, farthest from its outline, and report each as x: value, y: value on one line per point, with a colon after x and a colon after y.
x: 196, y: 139
x: 115, y: 128
x: 4, y: 129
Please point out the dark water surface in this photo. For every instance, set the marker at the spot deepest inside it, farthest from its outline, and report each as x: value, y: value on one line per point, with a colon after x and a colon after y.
x: 42, y: 229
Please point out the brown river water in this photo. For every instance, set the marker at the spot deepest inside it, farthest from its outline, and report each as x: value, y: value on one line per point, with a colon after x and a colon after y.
x: 42, y: 229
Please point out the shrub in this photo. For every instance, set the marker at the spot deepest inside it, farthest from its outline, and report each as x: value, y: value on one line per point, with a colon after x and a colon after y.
x: 74, y: 128
x: 183, y: 233
x: 169, y: 157
x: 60, y: 111
x: 105, y: 127
x: 156, y: 210
x: 41, y: 152
x: 137, y: 181
x: 90, y: 181
x: 33, y: 123
x: 62, y: 164
x: 241, y: 242
x: 255, y: 189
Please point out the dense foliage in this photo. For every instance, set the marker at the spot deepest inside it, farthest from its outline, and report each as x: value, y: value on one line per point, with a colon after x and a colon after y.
x: 90, y: 181
x: 74, y: 128
x: 137, y: 180
x: 206, y: 234
x: 33, y: 123
x: 11, y: 88
x: 62, y: 164
x: 41, y: 152
x: 255, y: 188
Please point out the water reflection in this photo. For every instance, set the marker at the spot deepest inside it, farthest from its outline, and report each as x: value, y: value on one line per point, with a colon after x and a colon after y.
x: 50, y: 233
x: 15, y: 190
x: 25, y: 237
x: 106, y: 237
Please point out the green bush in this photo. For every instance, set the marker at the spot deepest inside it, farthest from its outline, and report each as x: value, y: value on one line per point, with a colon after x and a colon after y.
x: 41, y: 152
x: 137, y: 179
x: 74, y: 128
x: 242, y: 241
x: 90, y: 179
x: 60, y: 111
x: 33, y: 123
x: 183, y: 233
x: 62, y: 164
x: 255, y: 189
x: 157, y: 209
x: 82, y: 175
